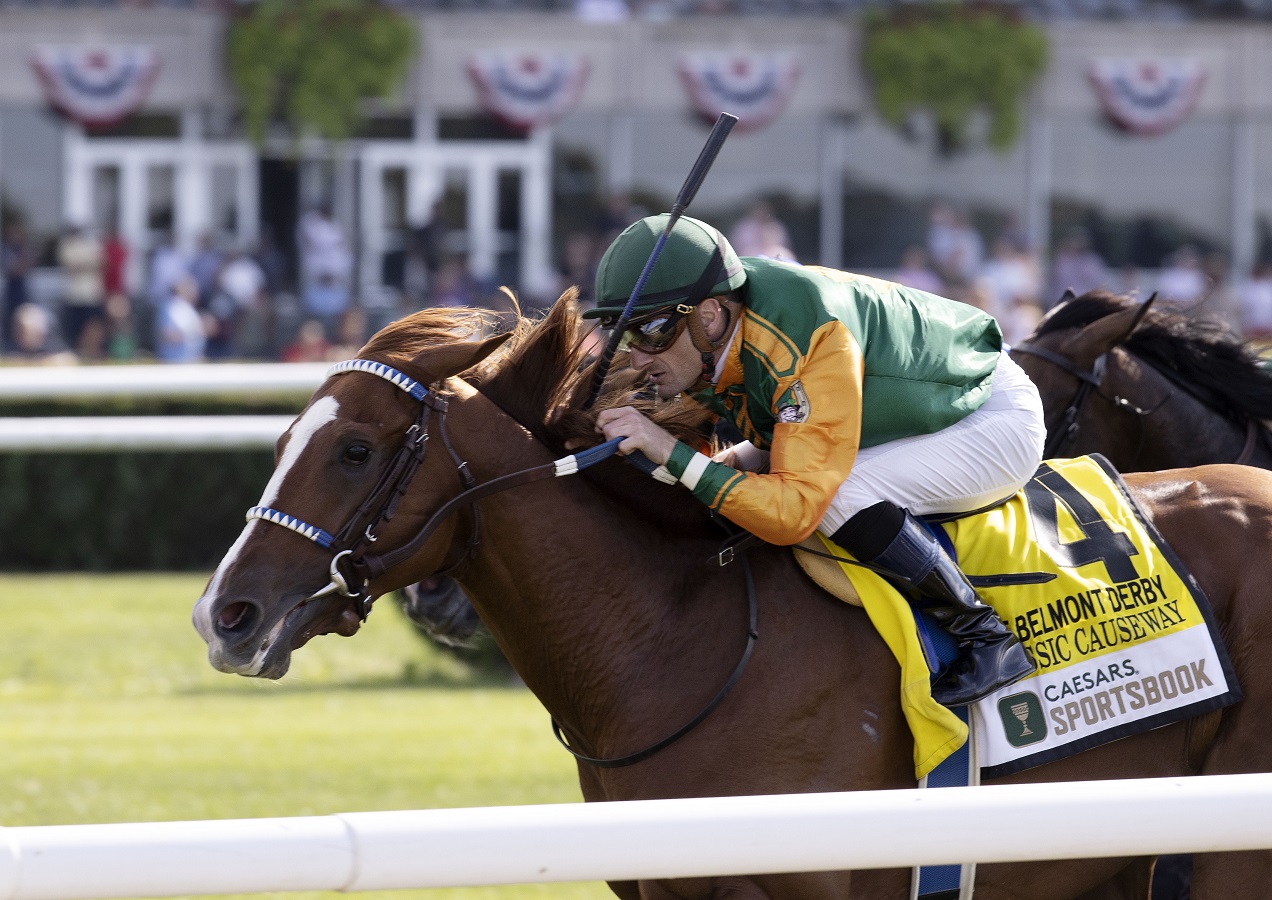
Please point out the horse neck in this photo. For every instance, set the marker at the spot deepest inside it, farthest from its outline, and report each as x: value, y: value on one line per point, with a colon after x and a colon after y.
x: 585, y: 599
x: 1180, y: 431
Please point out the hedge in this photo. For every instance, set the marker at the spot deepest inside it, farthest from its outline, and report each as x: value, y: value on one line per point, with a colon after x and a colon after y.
x: 128, y: 511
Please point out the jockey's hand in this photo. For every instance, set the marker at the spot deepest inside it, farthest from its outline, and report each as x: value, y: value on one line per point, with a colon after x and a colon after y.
x: 642, y: 434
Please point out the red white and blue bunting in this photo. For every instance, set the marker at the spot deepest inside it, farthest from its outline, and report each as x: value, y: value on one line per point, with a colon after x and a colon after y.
x: 528, y: 89
x: 755, y: 87
x: 1147, y: 96
x: 96, y: 86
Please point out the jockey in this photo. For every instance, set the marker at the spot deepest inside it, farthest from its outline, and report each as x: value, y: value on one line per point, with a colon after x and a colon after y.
x: 864, y: 404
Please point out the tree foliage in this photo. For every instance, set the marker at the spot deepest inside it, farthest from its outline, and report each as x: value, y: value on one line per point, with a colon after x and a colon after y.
x: 309, y: 63
x: 953, y: 59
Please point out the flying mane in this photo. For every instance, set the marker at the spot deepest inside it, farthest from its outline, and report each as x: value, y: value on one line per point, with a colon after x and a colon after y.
x: 541, y: 377
x: 1200, y: 353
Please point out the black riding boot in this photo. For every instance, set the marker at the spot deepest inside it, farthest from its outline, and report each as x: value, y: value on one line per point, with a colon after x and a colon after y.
x: 990, y: 656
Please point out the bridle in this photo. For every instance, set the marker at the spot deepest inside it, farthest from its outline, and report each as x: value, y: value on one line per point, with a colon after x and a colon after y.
x: 1066, y: 433
x: 1063, y: 437
x: 350, y: 544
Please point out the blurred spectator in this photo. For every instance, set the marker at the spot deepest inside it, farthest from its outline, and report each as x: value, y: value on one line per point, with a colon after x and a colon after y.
x: 180, y: 335
x: 17, y: 258
x: 1010, y: 276
x: 425, y: 250
x: 205, y: 266
x: 1076, y: 267
x: 1255, y: 299
x: 167, y: 268
x: 761, y: 233
x: 454, y: 285
x: 578, y: 266
x: 121, y: 328
x: 114, y: 263
x: 916, y: 273
x: 35, y: 338
x: 311, y: 344
x: 326, y: 265
x: 955, y: 247
x: 351, y: 335
x: 1220, y: 299
x: 620, y: 211
x: 238, y: 292
x: 1182, y: 281
x: 79, y: 254
x: 1019, y: 319
x: 601, y: 11
x: 273, y: 262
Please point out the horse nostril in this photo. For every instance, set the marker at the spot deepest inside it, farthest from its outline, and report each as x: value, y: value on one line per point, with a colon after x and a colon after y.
x: 236, y: 617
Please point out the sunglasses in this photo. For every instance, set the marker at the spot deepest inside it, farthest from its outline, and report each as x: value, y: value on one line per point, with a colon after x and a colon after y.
x: 656, y: 333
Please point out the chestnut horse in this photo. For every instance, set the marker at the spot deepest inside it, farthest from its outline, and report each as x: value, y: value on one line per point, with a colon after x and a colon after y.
x: 605, y: 591
x: 1150, y: 389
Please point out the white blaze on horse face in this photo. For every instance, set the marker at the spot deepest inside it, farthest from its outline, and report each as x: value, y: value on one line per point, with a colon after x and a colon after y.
x: 313, y: 419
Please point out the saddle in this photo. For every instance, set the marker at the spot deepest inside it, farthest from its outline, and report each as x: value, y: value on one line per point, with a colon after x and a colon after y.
x: 1123, y: 636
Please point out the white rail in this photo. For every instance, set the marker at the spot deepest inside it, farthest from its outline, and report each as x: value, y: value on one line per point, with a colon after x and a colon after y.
x: 638, y: 840
x: 139, y: 433
x: 30, y: 382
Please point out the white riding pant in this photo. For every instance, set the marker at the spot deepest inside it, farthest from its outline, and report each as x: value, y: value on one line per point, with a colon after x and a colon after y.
x: 974, y: 463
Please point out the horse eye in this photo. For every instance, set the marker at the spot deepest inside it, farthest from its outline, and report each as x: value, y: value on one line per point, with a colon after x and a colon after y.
x: 357, y: 454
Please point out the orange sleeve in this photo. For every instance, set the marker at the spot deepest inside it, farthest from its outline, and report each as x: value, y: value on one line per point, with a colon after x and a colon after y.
x: 813, y: 448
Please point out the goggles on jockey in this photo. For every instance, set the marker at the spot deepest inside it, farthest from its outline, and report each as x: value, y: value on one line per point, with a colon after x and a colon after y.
x: 654, y: 334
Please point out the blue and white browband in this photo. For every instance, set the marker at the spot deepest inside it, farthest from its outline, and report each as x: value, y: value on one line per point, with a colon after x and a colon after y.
x: 388, y: 373
x: 304, y: 529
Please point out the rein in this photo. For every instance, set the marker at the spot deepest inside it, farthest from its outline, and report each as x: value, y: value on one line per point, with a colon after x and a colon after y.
x: 1067, y: 433
x: 1064, y: 437
x: 352, y: 540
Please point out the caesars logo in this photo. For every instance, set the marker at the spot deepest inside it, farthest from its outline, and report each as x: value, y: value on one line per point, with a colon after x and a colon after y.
x: 1023, y: 719
x: 1081, y: 704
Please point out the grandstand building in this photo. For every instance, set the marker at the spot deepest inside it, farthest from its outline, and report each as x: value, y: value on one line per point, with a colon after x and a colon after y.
x: 1147, y: 115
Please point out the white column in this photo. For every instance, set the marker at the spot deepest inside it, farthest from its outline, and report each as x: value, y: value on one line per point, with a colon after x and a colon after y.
x: 536, y: 275
x: 834, y: 139
x: 483, y: 196
x: 77, y: 201
x: 423, y: 184
x: 133, y: 201
x: 247, y: 194
x: 371, y: 221
x: 194, y: 184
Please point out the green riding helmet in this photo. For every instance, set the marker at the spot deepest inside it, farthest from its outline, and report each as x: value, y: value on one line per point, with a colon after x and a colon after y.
x: 697, y: 262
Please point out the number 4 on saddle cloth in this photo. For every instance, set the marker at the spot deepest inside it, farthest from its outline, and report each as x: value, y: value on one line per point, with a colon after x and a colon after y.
x: 1123, y: 637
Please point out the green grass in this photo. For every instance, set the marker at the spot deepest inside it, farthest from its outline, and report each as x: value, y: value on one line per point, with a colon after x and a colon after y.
x: 112, y: 714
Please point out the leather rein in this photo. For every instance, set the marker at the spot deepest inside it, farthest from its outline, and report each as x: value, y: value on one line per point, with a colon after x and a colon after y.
x: 1062, y: 438
x: 350, y: 544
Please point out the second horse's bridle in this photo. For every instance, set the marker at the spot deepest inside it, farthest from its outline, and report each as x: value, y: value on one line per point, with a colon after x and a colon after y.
x: 1064, y: 436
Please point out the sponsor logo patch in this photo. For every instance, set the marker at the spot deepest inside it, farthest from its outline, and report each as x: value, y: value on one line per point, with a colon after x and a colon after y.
x: 793, y: 406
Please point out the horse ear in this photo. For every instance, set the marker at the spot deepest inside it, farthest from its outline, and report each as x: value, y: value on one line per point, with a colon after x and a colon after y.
x: 1104, y: 334
x: 441, y: 362
x: 1067, y: 296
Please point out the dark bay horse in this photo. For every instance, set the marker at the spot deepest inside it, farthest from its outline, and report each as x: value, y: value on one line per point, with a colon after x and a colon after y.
x: 605, y: 592
x: 1149, y: 388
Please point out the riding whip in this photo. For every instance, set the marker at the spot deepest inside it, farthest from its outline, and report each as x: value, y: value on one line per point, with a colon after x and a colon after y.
x: 723, y: 125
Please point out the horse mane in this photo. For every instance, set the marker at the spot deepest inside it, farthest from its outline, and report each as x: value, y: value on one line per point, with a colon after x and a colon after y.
x: 1200, y: 352
x: 541, y: 378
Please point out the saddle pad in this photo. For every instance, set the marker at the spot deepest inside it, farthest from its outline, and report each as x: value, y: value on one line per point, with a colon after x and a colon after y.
x: 1123, y: 636
x: 1124, y: 639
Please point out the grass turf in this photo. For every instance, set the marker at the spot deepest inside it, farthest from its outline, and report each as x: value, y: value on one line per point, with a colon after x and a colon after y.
x: 112, y: 714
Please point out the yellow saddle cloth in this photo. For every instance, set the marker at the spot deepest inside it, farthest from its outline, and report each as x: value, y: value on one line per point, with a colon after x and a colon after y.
x: 1122, y: 635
